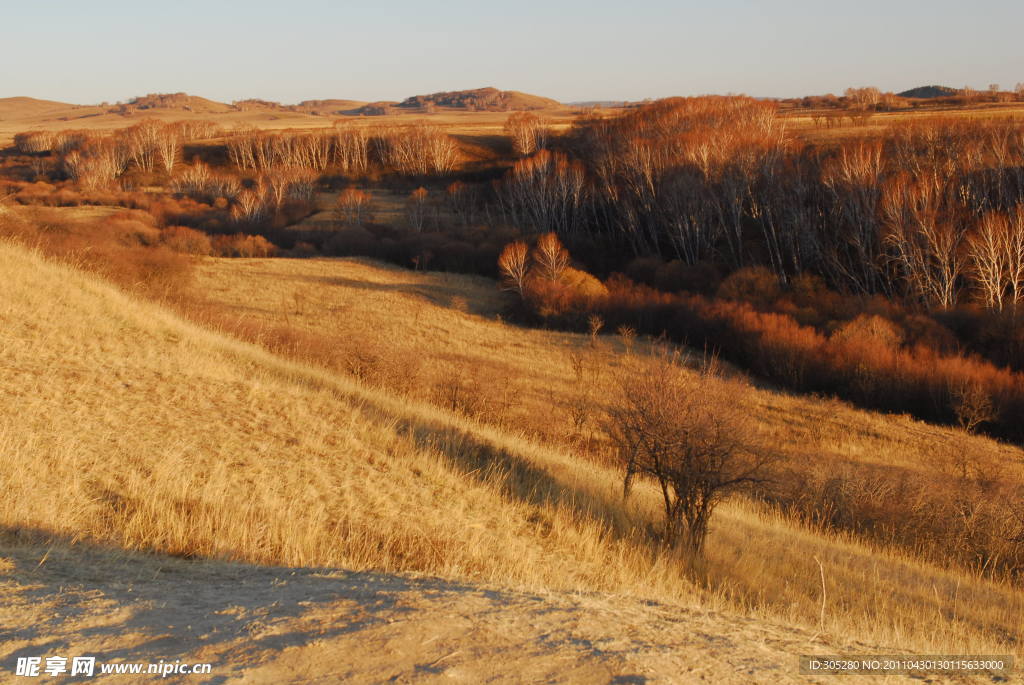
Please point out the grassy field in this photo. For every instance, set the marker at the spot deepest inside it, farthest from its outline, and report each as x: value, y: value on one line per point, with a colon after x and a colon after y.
x: 813, y: 126
x: 144, y: 431
x: 18, y: 115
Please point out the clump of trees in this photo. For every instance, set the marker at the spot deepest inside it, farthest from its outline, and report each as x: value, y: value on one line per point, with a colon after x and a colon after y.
x: 544, y: 280
x: 353, y: 206
x: 545, y: 192
x: 418, y: 150
x: 33, y: 142
x: 527, y: 132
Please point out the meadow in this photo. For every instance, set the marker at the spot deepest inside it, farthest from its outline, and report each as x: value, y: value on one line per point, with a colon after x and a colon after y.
x: 310, y: 331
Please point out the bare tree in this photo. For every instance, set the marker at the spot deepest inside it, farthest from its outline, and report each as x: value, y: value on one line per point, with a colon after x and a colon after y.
x: 1014, y: 248
x: 416, y: 208
x: 352, y: 148
x: 97, y: 164
x: 143, y: 141
x: 514, y: 264
x: 689, y: 433
x: 972, y: 406
x: 550, y: 257
x: 34, y: 142
x: 926, y: 237
x: 527, y: 132
x: 250, y: 205
x: 419, y: 149
x: 353, y: 206
x: 545, y: 191
x: 862, y: 98
x: 989, y: 254
x: 168, y: 148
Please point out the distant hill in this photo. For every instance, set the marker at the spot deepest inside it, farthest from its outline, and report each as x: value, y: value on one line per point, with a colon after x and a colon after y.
x: 475, y: 100
x: 928, y: 92
x: 481, y: 99
x: 377, y: 108
x: 599, y: 103
x: 331, y: 106
x: 25, y: 106
x: 181, y: 101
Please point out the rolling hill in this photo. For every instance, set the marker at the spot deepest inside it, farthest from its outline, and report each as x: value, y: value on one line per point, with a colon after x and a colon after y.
x: 250, y: 494
x: 17, y: 107
x: 157, y: 442
x: 482, y: 99
x: 928, y: 92
x: 180, y: 101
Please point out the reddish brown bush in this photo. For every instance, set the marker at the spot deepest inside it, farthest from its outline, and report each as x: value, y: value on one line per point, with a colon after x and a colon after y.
x: 186, y: 240
x: 243, y: 245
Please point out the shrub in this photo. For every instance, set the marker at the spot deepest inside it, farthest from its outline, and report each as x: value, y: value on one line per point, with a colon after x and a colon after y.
x: 243, y: 245
x: 755, y: 284
x: 868, y: 331
x: 186, y: 240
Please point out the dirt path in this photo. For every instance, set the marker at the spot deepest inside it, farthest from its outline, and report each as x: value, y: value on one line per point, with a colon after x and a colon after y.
x: 274, y: 625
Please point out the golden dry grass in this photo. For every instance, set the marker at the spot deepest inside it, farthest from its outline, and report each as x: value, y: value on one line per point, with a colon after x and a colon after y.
x: 801, y: 123
x: 145, y: 432
x: 124, y: 425
x: 19, y: 115
x: 454, y: 319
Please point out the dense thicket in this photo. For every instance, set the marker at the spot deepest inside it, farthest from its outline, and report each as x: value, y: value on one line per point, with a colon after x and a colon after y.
x: 932, y: 212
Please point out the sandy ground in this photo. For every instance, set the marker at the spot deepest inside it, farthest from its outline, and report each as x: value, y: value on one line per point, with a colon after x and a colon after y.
x: 279, y: 625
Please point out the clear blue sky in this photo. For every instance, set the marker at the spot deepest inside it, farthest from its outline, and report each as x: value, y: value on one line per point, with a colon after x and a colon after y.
x: 291, y: 50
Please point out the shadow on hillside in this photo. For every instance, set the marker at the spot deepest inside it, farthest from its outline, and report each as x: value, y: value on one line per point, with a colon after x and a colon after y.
x: 160, y: 608
x: 521, y: 480
x: 447, y: 296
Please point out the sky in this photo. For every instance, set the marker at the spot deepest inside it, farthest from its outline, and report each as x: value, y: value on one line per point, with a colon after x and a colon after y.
x: 293, y: 50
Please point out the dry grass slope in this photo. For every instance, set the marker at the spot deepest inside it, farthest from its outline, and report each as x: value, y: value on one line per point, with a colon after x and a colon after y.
x: 143, y: 431
x: 353, y: 309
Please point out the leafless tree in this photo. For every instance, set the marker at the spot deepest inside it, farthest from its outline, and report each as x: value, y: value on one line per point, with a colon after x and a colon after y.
x: 972, y: 405
x: 853, y: 249
x: 420, y: 149
x: 514, y: 264
x: 868, y: 96
x: 143, y: 142
x: 546, y: 192
x: 168, y: 148
x: 416, y: 208
x: 97, y: 164
x: 353, y: 206
x: 688, y: 432
x: 250, y: 205
x: 990, y: 250
x: 352, y: 149
x: 927, y: 242
x: 550, y: 257
x: 33, y: 142
x: 527, y: 132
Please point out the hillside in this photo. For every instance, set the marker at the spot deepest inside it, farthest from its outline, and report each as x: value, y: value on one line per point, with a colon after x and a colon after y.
x: 330, y: 106
x: 482, y: 99
x: 24, y: 106
x: 179, y: 101
x: 232, y: 451
x: 928, y: 92
x: 233, y: 454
